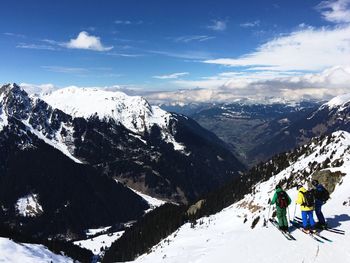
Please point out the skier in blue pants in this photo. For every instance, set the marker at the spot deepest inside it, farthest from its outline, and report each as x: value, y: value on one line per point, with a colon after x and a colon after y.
x: 321, y: 194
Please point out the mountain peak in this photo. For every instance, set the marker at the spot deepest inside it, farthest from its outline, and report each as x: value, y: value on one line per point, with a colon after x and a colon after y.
x: 339, y: 101
x: 12, y: 92
x: 12, y: 99
x: 11, y: 87
x: 134, y: 112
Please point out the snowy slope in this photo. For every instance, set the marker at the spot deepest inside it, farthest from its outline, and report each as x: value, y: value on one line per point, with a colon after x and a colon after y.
x: 338, y: 102
x: 152, y: 202
x: 29, y: 206
x: 39, y: 118
x: 94, y: 244
x: 133, y: 112
x: 12, y: 252
x: 3, y: 117
x: 223, y: 236
x: 106, y: 239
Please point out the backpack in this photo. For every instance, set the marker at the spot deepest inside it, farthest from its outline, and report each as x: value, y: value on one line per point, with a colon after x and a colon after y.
x: 282, y: 199
x: 322, y: 194
x: 309, y: 198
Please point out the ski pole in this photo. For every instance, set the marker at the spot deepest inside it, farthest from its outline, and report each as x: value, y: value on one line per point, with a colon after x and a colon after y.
x: 288, y: 216
x: 295, y: 209
x: 268, y: 215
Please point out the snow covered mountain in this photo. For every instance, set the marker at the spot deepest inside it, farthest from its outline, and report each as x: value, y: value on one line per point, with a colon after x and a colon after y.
x: 133, y: 112
x: 58, y: 168
x: 161, y: 154
x: 340, y: 103
x: 329, y: 117
x: 12, y: 252
x: 44, y: 190
x: 239, y: 231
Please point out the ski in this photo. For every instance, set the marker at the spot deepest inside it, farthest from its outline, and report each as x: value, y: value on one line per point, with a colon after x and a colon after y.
x: 330, y: 229
x: 342, y: 232
x: 298, y: 226
x: 285, y: 234
x: 323, y: 237
x: 315, y: 233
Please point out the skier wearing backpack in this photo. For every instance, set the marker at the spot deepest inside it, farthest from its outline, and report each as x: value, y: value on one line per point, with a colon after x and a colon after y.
x: 306, y: 201
x: 321, y: 196
x: 282, y: 201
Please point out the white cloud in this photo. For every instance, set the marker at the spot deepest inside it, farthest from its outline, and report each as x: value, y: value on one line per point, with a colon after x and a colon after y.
x: 35, y: 46
x: 171, y: 76
x: 52, y: 42
x: 60, y: 69
x: 251, y: 24
x: 190, y: 54
x: 218, y: 25
x: 337, y: 11
x: 307, y: 49
x: 10, y: 34
x: 128, y: 22
x: 228, y: 86
x: 126, y: 55
x: 199, y: 38
x: 86, y: 41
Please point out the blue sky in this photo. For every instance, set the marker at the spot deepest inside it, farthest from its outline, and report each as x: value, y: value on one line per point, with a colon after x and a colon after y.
x: 162, y: 45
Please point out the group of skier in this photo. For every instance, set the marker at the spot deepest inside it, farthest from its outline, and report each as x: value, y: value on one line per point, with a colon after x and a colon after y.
x: 309, y: 201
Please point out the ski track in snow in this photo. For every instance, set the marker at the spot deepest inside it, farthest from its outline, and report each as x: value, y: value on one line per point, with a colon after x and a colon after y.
x: 223, y: 237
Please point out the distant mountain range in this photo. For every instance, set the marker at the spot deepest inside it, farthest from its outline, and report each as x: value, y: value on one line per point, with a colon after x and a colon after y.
x: 329, y: 117
x: 246, y: 126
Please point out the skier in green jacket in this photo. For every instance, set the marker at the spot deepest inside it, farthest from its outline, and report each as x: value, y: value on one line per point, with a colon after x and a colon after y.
x: 282, y: 201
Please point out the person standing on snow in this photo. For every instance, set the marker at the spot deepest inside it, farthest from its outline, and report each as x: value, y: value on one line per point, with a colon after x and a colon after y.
x: 321, y: 196
x: 306, y: 201
x: 282, y: 201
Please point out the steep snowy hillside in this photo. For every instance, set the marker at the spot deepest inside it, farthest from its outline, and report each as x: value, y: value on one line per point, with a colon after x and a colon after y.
x: 229, y: 235
x: 339, y: 102
x: 133, y: 112
x: 12, y: 252
x: 43, y: 191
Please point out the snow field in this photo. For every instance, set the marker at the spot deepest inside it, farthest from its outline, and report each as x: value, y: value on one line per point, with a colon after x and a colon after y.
x: 12, y: 252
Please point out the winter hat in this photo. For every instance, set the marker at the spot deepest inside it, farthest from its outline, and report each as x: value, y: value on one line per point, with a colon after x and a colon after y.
x: 278, y: 187
x: 314, y: 182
